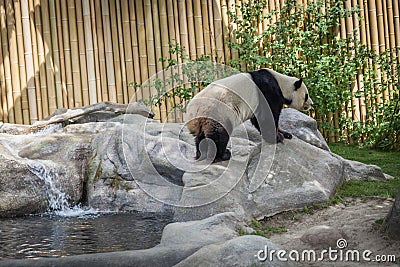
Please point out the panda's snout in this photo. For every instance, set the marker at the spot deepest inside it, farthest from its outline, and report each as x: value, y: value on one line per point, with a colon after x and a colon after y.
x: 308, y: 105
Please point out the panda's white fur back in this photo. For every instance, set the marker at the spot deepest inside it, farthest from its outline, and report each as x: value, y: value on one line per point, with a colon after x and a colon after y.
x: 217, y: 97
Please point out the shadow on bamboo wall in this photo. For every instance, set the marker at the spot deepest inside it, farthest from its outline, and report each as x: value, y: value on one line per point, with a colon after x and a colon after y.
x: 57, y: 53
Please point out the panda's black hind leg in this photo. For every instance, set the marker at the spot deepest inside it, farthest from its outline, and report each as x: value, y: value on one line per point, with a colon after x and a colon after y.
x: 197, y: 141
x: 220, y: 137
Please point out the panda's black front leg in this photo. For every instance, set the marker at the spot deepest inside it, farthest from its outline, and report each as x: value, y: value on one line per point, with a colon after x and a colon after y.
x: 285, y: 134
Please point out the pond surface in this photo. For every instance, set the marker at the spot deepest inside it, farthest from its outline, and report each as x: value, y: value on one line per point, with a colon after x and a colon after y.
x: 55, y: 235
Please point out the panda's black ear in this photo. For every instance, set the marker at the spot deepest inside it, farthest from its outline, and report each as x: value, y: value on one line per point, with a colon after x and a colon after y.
x: 297, y: 84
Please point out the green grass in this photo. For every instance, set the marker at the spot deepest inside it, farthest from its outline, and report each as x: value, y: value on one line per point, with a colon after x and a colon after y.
x: 389, y: 161
x: 266, y: 230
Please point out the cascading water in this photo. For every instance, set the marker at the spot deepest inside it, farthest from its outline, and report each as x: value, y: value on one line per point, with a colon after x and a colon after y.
x: 58, y: 200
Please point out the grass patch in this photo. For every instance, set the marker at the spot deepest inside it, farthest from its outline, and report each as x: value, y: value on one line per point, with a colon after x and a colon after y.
x: 266, y: 230
x: 389, y: 161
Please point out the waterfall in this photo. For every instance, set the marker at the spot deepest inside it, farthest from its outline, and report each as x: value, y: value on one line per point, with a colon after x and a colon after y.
x: 57, y: 199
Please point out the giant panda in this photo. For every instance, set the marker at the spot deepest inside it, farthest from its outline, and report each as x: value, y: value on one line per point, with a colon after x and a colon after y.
x: 224, y: 104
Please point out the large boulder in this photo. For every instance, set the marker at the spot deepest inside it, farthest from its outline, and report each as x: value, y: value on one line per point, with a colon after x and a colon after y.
x: 294, y: 175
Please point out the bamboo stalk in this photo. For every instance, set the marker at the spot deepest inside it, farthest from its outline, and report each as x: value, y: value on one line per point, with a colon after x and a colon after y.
x: 30, y: 72
x: 16, y: 85
x: 225, y: 30
x: 89, y: 52
x: 124, y: 84
x: 56, y: 54
x: 67, y: 54
x: 391, y: 30
x: 171, y: 25
x: 191, y: 29
x: 135, y: 49
x: 3, y: 67
x: 130, y: 77
x: 172, y: 18
x: 21, y: 60
x: 35, y: 60
x: 184, y: 36
x: 115, y: 53
x: 206, y: 27
x: 105, y: 11
x: 158, y: 51
x: 177, y: 27
x: 232, y: 28
x: 75, y: 59
x: 157, y: 35
x: 82, y: 53
x: 64, y: 93
x: 385, y: 12
x: 381, y: 27
x: 102, y: 57
x: 396, y: 15
x: 151, y: 60
x: 212, y: 30
x: 374, y: 38
x: 360, y: 22
x: 219, y: 37
x: 95, y: 50
x: 383, y: 38
x: 354, y: 111
x: 198, y: 28
x: 164, y: 23
x: 373, y: 26
x: 141, y: 29
x: 3, y: 93
x: 51, y: 90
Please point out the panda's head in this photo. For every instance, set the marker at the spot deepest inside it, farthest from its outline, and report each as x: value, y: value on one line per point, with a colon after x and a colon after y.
x: 299, y: 98
x: 294, y: 91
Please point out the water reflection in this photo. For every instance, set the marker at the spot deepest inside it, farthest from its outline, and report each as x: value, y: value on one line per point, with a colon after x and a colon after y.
x: 55, y: 236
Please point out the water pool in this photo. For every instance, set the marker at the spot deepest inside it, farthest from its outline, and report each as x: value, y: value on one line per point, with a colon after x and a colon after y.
x: 54, y: 235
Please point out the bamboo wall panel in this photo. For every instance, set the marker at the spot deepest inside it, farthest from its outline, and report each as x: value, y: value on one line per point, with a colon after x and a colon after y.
x: 70, y: 53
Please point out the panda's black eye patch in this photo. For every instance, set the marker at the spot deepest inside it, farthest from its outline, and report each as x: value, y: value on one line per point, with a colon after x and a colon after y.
x: 306, y: 98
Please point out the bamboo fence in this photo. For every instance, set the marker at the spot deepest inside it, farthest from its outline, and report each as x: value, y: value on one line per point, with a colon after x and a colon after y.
x: 71, y: 53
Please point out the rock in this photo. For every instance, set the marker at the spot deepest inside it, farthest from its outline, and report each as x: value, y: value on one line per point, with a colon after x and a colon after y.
x: 156, y: 256
x: 8, y: 128
x: 295, y: 175
x: 354, y: 170
x: 98, y: 112
x: 130, y: 170
x: 239, y: 251
x: 391, y: 224
x: 214, y: 229
x: 303, y: 127
x: 322, y: 236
